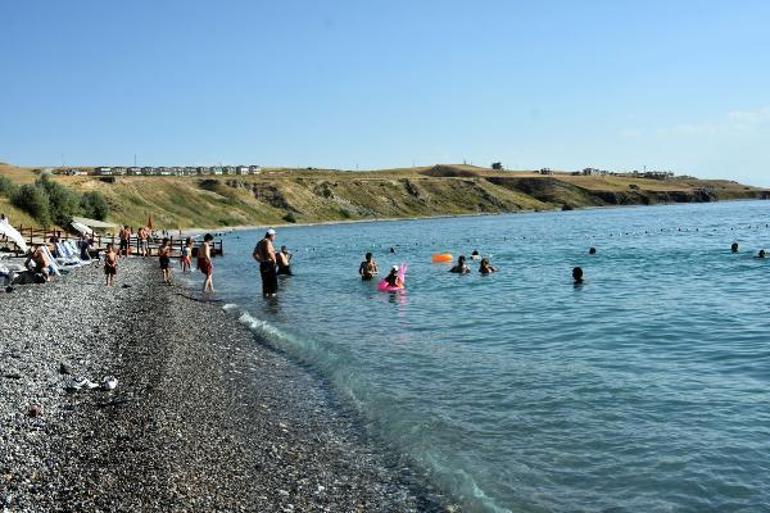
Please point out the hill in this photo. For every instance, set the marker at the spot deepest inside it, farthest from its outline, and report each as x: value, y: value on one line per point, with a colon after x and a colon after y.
x: 309, y: 195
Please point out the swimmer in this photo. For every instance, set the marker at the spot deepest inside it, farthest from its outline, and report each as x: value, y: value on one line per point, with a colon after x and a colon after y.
x: 761, y: 254
x: 475, y: 255
x: 392, y: 278
x: 577, y: 275
x: 368, y: 268
x: 485, y: 267
x: 734, y: 247
x: 592, y: 251
x: 461, y: 267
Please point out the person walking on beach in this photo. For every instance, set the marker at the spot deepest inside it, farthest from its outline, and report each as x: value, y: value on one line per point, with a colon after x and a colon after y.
x: 144, y: 241
x: 368, y: 268
x: 110, y: 265
x: 264, y: 253
x: 186, y: 259
x: 164, y: 254
x: 205, y: 264
x: 284, y: 261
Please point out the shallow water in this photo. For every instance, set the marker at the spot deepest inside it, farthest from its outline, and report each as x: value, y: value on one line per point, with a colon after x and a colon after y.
x: 645, y: 389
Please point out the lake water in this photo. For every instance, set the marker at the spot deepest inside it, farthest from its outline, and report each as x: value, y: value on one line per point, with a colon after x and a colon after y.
x: 645, y: 389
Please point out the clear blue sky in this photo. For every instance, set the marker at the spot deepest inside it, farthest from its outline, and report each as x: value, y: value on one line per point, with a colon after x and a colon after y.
x: 614, y: 84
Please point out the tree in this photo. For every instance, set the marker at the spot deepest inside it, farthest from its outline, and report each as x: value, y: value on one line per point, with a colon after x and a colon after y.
x: 497, y: 166
x: 34, y: 201
x: 63, y: 203
x: 94, y: 205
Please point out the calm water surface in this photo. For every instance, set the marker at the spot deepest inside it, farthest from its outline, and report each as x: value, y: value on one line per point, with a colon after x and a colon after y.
x: 646, y: 389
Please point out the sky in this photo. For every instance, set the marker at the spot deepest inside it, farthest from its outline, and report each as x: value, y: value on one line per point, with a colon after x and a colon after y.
x: 681, y: 86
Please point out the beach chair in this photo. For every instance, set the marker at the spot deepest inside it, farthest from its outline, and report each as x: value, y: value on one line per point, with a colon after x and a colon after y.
x: 66, y: 259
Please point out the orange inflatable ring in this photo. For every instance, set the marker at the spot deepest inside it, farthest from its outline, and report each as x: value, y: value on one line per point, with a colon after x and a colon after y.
x: 442, y: 258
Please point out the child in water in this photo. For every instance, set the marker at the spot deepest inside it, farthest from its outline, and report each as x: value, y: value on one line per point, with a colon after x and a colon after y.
x: 186, y: 259
x: 368, y: 268
x: 392, y: 278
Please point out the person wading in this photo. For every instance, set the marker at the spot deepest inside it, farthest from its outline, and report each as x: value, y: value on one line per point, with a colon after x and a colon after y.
x: 264, y: 253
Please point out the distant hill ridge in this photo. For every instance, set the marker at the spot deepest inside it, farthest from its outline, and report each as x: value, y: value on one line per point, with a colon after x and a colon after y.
x: 310, y: 195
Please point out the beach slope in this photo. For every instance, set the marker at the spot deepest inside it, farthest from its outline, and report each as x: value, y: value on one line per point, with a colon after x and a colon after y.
x: 204, y: 417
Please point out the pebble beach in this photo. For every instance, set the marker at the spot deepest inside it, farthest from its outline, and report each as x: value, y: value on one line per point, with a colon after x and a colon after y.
x: 189, y: 411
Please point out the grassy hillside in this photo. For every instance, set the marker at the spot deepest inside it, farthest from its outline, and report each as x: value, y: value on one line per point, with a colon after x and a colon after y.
x: 281, y: 195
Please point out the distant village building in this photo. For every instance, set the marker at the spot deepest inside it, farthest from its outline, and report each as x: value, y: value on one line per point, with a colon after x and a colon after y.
x: 229, y: 170
x: 75, y: 172
x: 103, y: 171
x: 546, y: 171
x: 217, y: 170
x: 119, y: 171
x: 255, y: 170
x: 164, y: 171
x: 203, y: 170
x: 148, y: 171
x: 134, y: 171
x: 241, y: 170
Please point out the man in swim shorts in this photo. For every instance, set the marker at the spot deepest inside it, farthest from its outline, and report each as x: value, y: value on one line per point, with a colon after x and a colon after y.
x: 264, y: 253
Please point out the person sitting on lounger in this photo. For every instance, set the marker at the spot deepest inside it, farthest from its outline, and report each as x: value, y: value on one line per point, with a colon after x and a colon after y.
x: 40, y: 261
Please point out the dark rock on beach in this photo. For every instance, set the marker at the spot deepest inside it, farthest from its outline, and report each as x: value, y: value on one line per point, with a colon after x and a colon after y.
x: 200, y: 416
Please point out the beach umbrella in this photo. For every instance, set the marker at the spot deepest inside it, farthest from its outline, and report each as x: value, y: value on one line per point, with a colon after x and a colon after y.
x: 81, y: 228
x: 13, y: 234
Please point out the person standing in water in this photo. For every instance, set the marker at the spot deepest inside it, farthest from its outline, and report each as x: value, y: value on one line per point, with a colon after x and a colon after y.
x: 264, y: 253
x: 461, y: 267
x: 205, y: 264
x: 734, y: 247
x: 485, y: 267
x: 164, y: 255
x: 368, y: 268
x: 283, y: 258
x: 186, y: 259
x: 577, y: 275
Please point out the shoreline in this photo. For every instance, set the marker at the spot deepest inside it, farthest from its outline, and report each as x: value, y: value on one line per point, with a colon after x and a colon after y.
x: 205, y: 416
x: 239, y: 228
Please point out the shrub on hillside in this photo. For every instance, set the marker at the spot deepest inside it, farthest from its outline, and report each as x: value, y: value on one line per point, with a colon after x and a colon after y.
x: 62, y: 202
x: 7, y: 187
x: 34, y: 201
x: 94, y: 205
x: 289, y: 217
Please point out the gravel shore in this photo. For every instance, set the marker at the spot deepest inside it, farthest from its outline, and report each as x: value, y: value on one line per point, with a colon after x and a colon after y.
x: 203, y: 418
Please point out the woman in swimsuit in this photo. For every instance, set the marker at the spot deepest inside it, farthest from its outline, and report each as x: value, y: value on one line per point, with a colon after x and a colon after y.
x: 165, y: 260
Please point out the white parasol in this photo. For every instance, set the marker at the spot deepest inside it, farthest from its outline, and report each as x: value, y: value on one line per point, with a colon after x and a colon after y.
x: 80, y: 227
x: 13, y: 234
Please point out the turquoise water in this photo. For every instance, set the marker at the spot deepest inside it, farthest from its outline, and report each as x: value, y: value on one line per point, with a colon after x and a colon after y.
x: 646, y: 389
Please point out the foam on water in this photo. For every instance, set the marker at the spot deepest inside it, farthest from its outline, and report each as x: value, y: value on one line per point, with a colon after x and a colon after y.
x: 643, y: 390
